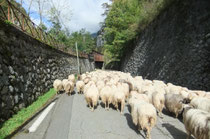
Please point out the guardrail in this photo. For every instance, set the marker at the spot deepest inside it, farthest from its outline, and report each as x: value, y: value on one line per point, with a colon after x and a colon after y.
x: 20, y: 20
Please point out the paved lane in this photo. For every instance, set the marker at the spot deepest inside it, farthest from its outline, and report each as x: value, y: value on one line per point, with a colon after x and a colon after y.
x: 112, y: 125
x: 72, y: 119
x: 55, y: 125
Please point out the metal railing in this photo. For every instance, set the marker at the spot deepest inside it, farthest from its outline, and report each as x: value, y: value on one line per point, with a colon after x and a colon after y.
x: 10, y: 13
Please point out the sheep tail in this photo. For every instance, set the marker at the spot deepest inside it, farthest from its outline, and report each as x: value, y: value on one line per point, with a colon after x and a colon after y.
x: 151, y: 121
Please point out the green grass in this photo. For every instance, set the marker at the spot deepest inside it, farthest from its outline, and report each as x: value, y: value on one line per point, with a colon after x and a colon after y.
x: 24, y: 114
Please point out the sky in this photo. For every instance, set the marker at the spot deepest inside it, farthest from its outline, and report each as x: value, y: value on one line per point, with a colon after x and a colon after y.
x: 75, y: 14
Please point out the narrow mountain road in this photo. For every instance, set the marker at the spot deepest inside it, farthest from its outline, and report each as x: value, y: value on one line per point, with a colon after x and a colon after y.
x: 70, y: 118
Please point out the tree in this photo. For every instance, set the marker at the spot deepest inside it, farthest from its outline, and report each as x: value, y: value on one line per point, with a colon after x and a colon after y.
x: 84, y: 40
x: 41, y: 4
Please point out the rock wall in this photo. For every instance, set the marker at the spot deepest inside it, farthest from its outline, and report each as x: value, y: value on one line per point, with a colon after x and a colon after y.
x: 175, y: 47
x: 28, y: 69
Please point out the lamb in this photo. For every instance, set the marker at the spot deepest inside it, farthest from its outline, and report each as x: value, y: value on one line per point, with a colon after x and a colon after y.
x: 106, y: 96
x: 58, y: 86
x: 68, y: 87
x: 201, y: 103
x: 80, y: 87
x: 92, y: 96
x: 143, y: 115
x: 197, y: 123
x: 174, y: 103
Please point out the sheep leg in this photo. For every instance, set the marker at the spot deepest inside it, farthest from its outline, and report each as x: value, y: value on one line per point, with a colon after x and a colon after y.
x: 105, y: 105
x: 94, y: 104
x: 122, y: 107
x: 108, y: 105
x: 89, y: 105
x: 189, y: 135
x: 92, y: 109
x: 56, y: 91
x: 160, y: 114
x: 148, y: 133
x: 116, y: 105
x: 176, y: 114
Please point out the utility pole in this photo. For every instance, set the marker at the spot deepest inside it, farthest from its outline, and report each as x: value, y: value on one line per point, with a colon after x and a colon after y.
x: 77, y: 59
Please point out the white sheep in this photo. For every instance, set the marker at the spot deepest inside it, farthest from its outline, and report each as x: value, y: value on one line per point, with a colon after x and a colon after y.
x: 158, y: 100
x: 136, y: 95
x: 80, y: 87
x: 72, y: 78
x: 143, y: 115
x: 173, y: 89
x: 191, y: 95
x: 92, y: 96
x: 197, y: 123
x: 64, y: 81
x: 68, y: 87
x: 57, y: 85
x: 199, y: 93
x: 148, y: 89
x: 106, y: 96
x: 119, y: 97
x: 100, y: 84
x: 125, y: 89
x: 174, y: 103
x: 86, y: 80
x: 207, y: 95
x: 201, y: 103
x: 184, y: 94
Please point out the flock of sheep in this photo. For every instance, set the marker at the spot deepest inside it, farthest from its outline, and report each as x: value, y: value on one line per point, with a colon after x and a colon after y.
x: 146, y: 98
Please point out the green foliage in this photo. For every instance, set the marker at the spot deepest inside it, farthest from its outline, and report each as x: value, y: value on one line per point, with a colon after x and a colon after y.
x: 8, y: 22
x: 83, y: 38
x: 24, y: 114
x: 43, y: 27
x: 125, y: 20
x: 85, y: 42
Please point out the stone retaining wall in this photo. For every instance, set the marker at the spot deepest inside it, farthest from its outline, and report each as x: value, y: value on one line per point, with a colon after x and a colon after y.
x: 28, y: 69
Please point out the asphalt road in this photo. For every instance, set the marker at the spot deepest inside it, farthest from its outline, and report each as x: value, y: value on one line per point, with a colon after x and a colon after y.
x: 70, y: 118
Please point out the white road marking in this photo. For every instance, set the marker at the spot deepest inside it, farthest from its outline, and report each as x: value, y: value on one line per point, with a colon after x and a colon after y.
x: 41, y: 118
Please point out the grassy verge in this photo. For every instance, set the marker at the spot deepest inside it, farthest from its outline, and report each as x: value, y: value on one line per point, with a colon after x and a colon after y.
x: 24, y: 114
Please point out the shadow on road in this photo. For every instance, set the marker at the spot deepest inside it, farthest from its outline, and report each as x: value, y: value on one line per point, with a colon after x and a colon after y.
x: 175, y: 132
x: 180, y: 118
x: 131, y: 125
x: 111, y: 106
x: 129, y: 108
